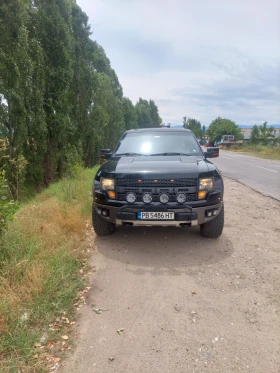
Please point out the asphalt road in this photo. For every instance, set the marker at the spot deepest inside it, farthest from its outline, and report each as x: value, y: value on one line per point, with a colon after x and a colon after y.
x: 262, y: 175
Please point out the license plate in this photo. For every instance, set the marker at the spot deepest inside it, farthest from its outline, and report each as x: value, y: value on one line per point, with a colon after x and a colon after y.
x: 156, y: 215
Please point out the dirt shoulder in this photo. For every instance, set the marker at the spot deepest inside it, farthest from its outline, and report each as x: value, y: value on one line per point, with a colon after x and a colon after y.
x: 186, y: 304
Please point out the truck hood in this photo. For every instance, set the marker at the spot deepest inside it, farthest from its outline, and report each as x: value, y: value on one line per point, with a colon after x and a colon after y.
x: 147, y: 167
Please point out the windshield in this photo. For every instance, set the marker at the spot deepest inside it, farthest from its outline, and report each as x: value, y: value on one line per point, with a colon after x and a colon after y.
x: 157, y: 143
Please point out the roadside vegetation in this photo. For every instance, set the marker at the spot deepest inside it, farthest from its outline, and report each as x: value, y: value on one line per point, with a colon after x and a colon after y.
x: 262, y: 142
x: 41, y: 272
x: 263, y: 151
x: 263, y: 135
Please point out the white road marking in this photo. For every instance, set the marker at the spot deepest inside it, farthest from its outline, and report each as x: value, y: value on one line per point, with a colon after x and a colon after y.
x: 268, y: 169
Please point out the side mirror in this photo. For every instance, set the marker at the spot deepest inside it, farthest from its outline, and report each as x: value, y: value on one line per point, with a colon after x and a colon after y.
x: 105, y: 153
x: 212, y: 153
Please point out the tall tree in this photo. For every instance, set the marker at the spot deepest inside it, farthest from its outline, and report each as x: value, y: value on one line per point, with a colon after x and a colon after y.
x: 255, y: 135
x: 265, y: 133
x: 193, y: 125
x: 147, y: 114
x: 223, y: 126
x: 129, y: 114
x: 55, y: 37
x: 15, y: 77
x: 35, y: 146
x: 143, y: 113
x: 156, y: 119
x: 83, y: 82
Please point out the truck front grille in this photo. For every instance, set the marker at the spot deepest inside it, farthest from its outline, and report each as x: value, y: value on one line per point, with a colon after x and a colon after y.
x: 157, y: 183
x: 156, y: 187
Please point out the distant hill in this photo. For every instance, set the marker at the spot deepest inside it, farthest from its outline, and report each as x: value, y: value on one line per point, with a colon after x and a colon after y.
x: 176, y: 125
x: 251, y: 125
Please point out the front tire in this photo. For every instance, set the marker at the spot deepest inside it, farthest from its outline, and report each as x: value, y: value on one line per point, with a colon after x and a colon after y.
x: 101, y: 226
x: 214, y: 228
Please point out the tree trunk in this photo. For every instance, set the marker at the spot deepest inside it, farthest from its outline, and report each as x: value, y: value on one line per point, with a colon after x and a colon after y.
x: 47, y: 165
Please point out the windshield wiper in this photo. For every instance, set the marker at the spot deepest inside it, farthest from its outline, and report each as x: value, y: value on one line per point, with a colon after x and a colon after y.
x: 127, y: 154
x: 170, y: 153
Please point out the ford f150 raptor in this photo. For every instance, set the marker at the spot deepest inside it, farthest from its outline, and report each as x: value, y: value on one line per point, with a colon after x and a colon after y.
x: 158, y: 177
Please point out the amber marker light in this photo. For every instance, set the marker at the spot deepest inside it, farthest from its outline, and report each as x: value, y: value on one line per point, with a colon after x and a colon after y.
x: 202, y: 194
x: 112, y: 194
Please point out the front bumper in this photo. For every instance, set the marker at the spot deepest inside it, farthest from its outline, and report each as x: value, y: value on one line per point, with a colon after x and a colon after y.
x: 185, y: 216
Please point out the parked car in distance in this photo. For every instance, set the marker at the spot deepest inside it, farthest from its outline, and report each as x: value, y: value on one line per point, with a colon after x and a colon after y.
x: 217, y: 143
x: 208, y: 144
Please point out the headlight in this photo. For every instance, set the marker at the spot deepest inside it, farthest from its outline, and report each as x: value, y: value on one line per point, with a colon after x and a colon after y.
x: 107, y: 184
x: 206, y: 184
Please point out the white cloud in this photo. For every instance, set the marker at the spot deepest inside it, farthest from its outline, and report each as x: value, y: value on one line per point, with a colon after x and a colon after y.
x: 202, y: 58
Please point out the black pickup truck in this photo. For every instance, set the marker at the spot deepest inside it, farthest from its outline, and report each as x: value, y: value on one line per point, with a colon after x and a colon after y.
x: 158, y: 177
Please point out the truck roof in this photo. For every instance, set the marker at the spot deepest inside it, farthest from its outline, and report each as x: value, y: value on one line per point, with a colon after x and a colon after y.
x: 157, y: 129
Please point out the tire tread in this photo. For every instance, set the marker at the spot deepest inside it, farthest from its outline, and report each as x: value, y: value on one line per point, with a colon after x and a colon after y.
x: 101, y: 226
x: 214, y: 228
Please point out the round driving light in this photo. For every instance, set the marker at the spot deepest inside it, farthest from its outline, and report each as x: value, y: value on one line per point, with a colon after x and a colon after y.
x: 181, y: 198
x: 131, y: 197
x: 164, y: 198
x: 147, y: 198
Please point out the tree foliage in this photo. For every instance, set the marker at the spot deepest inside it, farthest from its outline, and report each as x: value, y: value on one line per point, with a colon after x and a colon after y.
x: 262, y: 134
x: 266, y: 133
x: 223, y: 126
x: 255, y: 134
x: 129, y: 114
x: 60, y: 99
x: 8, y: 207
x: 193, y: 125
x: 147, y: 114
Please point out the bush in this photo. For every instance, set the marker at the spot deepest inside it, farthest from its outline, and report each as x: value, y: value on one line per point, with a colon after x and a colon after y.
x: 268, y: 151
x: 8, y: 207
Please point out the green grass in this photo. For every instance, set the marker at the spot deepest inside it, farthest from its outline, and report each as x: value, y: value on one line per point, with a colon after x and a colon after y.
x: 262, y: 151
x: 40, y: 260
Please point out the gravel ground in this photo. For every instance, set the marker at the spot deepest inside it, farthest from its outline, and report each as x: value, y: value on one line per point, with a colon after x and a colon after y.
x: 186, y: 304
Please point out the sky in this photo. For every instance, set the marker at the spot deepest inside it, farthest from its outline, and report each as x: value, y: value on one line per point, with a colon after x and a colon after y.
x: 196, y: 58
